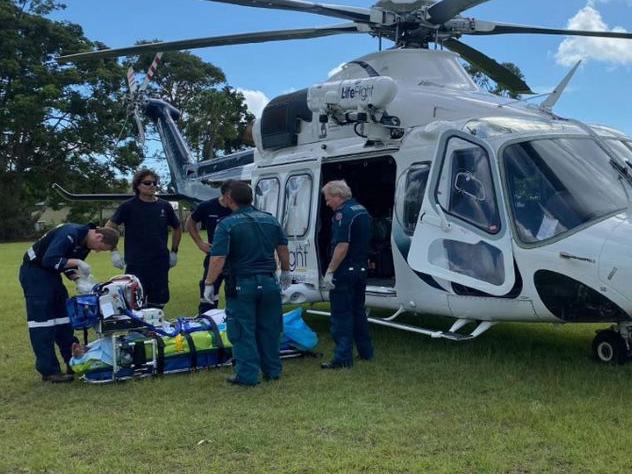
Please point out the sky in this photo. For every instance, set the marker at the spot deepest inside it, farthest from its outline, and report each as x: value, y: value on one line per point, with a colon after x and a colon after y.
x: 601, y: 91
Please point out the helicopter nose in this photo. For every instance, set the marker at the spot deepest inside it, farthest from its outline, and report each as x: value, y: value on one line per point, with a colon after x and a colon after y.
x: 615, y: 259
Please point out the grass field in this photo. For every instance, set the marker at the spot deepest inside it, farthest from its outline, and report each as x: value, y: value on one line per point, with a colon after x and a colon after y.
x: 521, y: 398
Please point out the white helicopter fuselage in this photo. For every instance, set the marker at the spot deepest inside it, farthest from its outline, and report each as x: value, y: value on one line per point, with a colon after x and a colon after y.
x: 472, y: 195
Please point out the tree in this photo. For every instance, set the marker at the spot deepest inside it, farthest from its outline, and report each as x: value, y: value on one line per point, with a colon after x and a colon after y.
x: 485, y: 82
x: 58, y: 123
x: 214, y: 115
x: 64, y: 123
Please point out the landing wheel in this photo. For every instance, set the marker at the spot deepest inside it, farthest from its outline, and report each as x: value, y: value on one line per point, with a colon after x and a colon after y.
x: 609, y: 347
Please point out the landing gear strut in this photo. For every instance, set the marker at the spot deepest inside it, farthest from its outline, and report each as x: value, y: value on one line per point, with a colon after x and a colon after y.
x: 613, y: 345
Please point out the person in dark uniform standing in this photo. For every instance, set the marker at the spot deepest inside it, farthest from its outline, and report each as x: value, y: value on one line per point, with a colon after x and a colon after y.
x: 209, y: 213
x: 61, y: 250
x: 147, y: 219
x: 346, y: 275
x: 245, y: 242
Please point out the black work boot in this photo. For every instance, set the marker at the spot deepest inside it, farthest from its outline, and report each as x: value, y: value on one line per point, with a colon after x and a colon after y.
x: 58, y: 378
x: 335, y: 365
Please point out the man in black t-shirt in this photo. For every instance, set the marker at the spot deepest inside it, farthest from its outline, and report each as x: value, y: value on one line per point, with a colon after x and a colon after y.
x: 209, y: 213
x: 147, y: 219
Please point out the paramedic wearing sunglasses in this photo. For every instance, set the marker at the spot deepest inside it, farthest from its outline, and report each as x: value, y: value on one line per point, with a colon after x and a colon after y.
x: 147, y: 220
x: 245, y: 243
x: 346, y: 275
x: 209, y: 213
x: 61, y: 250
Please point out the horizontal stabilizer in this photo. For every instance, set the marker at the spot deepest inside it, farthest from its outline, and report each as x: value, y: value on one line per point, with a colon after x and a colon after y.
x: 114, y: 196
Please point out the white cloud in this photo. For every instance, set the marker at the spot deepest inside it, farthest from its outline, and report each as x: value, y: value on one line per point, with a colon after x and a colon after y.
x: 608, y: 50
x: 255, y: 100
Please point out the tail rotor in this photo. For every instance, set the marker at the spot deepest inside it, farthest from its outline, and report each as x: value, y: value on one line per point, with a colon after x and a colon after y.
x: 137, y: 94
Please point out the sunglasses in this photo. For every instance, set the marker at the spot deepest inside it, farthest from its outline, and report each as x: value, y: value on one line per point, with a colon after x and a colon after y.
x: 148, y: 183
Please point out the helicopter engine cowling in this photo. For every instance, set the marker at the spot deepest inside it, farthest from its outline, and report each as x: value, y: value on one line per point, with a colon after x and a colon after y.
x: 352, y: 94
x: 359, y: 101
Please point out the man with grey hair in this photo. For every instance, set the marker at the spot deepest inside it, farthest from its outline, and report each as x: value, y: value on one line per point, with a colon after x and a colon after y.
x: 346, y: 275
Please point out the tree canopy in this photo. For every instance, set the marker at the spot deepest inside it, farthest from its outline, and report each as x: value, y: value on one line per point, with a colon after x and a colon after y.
x: 64, y: 122
x: 485, y: 82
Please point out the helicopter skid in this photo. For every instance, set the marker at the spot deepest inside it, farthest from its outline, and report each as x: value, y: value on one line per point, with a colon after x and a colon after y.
x: 451, y: 335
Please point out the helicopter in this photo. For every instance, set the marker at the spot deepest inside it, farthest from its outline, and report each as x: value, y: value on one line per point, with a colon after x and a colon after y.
x: 486, y: 210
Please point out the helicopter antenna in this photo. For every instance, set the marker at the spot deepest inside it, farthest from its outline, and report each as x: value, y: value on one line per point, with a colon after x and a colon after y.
x: 551, y: 100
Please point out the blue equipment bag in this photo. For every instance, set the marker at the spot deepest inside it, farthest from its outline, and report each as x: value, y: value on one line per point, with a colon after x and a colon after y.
x: 296, y: 333
x: 83, y: 311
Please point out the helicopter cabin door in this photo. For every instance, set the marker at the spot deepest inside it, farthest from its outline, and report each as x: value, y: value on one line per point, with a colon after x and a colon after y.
x: 462, y: 235
x: 290, y: 193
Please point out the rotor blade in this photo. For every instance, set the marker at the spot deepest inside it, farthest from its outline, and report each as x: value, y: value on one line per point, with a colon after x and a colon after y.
x: 131, y: 81
x: 493, y: 28
x: 337, y: 11
x: 497, y: 72
x: 141, y: 128
x: 151, y: 71
x: 445, y: 10
x: 245, y: 38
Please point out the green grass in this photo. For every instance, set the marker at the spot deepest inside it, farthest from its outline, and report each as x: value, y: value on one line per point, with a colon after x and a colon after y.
x: 521, y: 398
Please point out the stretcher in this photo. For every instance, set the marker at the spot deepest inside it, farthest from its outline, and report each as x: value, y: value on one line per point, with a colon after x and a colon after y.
x: 135, y: 342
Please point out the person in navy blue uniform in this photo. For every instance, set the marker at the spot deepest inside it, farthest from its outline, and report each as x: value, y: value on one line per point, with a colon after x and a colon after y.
x: 245, y: 243
x: 209, y: 213
x: 346, y: 275
x: 147, y: 220
x: 61, y: 250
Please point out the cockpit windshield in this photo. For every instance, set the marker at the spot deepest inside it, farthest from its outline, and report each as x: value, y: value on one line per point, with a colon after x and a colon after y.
x: 558, y: 184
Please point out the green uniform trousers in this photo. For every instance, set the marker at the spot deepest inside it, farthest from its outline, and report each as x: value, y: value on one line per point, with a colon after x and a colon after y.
x: 254, y: 323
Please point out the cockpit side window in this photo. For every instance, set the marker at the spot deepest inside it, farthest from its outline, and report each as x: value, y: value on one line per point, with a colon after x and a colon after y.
x: 267, y: 195
x: 466, y: 187
x: 411, y: 189
x: 621, y: 148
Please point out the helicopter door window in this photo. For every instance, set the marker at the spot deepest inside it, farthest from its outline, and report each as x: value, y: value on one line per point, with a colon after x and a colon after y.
x: 412, y: 186
x: 481, y: 261
x: 466, y: 187
x: 267, y: 195
x: 298, y: 200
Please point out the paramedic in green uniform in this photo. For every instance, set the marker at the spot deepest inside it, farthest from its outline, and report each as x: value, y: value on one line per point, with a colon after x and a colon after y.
x: 245, y: 243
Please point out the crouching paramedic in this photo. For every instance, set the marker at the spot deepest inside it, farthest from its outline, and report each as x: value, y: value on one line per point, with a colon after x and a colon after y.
x: 245, y: 242
x: 63, y: 249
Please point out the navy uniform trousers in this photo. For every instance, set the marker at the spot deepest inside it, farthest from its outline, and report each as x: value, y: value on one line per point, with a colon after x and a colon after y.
x: 348, y: 317
x: 254, y: 323
x: 47, y: 318
x: 155, y: 280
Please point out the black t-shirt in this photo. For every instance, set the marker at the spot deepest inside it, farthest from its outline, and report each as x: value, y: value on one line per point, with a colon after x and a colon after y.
x: 209, y: 213
x: 146, y: 231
